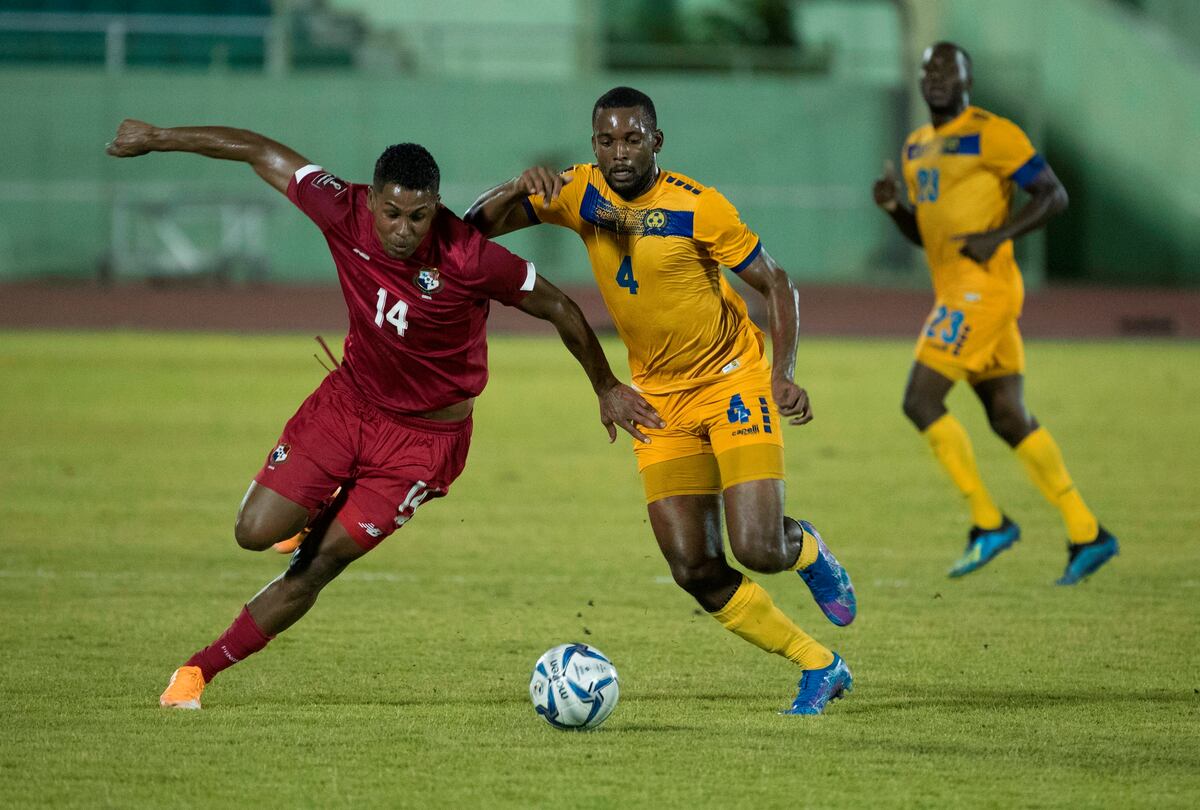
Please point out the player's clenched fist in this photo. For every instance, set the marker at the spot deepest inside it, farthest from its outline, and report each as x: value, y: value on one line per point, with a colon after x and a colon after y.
x: 887, y: 188
x: 132, y: 139
x: 792, y: 401
x: 543, y: 181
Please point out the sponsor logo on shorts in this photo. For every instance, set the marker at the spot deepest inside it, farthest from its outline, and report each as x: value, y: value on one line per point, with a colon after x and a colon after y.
x: 280, y: 453
x: 427, y: 280
x: 747, y: 431
x: 371, y: 529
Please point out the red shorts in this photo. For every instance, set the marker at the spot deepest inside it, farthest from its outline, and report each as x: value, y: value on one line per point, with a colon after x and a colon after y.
x: 387, y: 465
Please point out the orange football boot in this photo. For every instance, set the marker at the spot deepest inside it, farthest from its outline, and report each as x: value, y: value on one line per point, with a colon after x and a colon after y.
x: 291, y: 544
x: 183, y: 692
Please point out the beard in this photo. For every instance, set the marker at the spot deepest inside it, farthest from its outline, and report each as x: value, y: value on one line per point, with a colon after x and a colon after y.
x: 634, y: 185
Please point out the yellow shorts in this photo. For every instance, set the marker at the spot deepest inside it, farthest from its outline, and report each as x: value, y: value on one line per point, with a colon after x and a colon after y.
x: 717, y: 435
x: 969, y: 338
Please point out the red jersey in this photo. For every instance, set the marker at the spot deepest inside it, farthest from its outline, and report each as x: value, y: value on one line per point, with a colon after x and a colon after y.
x: 417, y: 339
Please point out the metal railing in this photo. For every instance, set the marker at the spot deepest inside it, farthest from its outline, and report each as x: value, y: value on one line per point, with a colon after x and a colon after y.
x: 116, y: 29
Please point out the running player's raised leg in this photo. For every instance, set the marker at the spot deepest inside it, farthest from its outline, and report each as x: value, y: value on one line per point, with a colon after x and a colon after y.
x: 765, y: 540
x: 1089, y: 546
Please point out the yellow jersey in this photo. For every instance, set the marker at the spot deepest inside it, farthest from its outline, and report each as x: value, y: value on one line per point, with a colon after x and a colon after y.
x: 960, y: 179
x: 657, y: 262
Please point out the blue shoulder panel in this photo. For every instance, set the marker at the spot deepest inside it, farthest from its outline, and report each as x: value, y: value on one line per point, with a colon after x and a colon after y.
x: 640, y: 222
x: 744, y: 263
x: 962, y: 145
x: 1029, y: 171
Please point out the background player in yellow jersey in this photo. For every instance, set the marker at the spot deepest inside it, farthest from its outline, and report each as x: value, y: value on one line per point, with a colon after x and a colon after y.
x: 960, y: 171
x: 656, y: 241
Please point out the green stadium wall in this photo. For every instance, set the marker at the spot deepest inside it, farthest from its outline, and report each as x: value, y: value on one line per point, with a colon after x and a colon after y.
x: 1117, y: 95
x: 796, y: 156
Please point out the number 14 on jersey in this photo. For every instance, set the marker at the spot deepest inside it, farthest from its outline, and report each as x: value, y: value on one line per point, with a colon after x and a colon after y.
x: 394, y: 316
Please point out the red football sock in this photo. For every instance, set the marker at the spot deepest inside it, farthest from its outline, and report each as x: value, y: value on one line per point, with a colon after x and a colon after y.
x: 243, y: 638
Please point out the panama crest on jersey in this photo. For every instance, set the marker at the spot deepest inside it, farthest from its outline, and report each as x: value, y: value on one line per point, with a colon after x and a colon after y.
x: 428, y: 280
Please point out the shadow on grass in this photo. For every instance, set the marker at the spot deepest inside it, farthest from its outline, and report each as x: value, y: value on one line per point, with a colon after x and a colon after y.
x: 992, y: 698
x: 461, y: 699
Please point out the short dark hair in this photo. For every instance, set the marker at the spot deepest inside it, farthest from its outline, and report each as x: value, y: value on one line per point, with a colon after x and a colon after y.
x: 627, y: 97
x: 948, y: 44
x: 408, y: 165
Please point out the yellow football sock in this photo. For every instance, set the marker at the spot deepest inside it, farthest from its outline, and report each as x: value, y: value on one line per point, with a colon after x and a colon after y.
x: 1044, y: 462
x: 751, y: 614
x: 808, y: 551
x: 952, y: 447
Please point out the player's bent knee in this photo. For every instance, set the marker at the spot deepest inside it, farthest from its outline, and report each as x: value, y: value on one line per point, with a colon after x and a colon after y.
x: 919, y: 411
x: 763, y: 554
x: 255, y: 534
x: 1010, y: 424
x: 699, y: 578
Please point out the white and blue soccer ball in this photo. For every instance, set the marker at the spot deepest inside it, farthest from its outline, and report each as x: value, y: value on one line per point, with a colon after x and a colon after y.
x: 574, y: 686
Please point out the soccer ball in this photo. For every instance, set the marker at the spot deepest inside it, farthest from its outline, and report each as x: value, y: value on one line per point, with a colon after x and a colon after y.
x: 574, y: 686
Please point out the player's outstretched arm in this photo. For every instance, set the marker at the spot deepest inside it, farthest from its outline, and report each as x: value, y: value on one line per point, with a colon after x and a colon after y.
x: 499, y: 211
x: 272, y: 161
x: 783, y: 312
x: 887, y: 194
x: 620, y: 405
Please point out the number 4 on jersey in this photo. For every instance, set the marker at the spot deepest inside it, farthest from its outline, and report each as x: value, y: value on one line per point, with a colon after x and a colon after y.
x: 625, y: 276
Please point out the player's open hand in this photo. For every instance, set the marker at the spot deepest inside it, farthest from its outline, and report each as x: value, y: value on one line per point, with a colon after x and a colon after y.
x: 887, y: 188
x: 979, y: 247
x: 543, y: 181
x: 621, y: 406
x: 132, y: 139
x: 792, y: 401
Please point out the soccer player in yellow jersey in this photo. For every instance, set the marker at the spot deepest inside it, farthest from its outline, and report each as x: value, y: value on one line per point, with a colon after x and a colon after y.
x: 960, y: 171
x: 657, y: 240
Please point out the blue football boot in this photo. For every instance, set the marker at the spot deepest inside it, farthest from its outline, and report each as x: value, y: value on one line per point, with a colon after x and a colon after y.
x: 983, y: 545
x: 1083, y: 559
x: 829, y: 583
x: 819, y: 686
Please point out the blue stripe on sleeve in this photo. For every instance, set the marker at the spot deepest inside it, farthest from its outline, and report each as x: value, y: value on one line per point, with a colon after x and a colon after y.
x: 1029, y: 172
x: 744, y: 263
x: 528, y: 206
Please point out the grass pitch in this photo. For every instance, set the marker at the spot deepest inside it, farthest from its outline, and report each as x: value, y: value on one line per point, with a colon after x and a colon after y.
x: 125, y: 457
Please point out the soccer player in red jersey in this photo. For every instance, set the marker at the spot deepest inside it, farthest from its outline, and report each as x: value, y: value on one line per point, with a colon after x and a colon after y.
x: 392, y: 424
